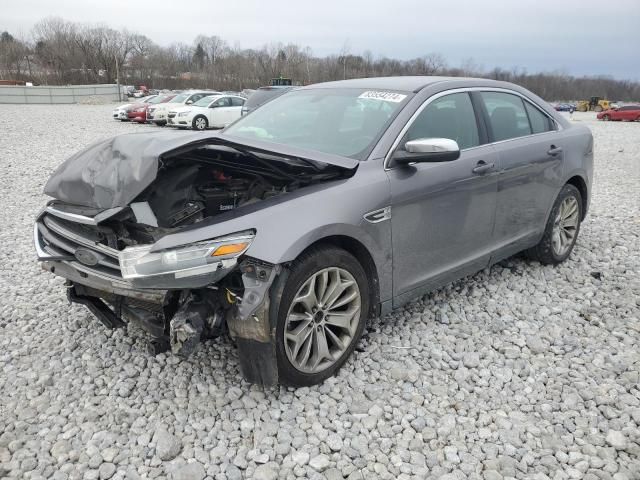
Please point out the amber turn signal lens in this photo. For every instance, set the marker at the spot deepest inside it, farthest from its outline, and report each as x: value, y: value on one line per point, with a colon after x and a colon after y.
x: 229, y: 249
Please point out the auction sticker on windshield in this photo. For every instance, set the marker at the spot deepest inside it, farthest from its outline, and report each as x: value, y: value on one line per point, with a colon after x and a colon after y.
x: 386, y: 96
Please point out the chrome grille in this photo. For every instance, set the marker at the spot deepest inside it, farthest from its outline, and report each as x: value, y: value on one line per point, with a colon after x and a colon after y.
x: 63, y: 238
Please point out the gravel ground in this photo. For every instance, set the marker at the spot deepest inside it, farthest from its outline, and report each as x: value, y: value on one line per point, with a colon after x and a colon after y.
x: 520, y: 371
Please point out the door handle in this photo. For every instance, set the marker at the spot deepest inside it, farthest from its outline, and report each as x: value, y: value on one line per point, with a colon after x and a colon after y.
x: 553, y: 151
x: 483, y: 167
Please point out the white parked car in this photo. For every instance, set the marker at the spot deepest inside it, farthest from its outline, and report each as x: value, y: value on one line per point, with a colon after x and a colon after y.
x: 158, y: 114
x: 215, y: 111
x: 120, y: 113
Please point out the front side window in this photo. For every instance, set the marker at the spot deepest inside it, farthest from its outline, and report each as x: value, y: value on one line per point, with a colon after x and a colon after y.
x: 540, y: 123
x: 223, y: 102
x: 507, y: 115
x: 450, y: 116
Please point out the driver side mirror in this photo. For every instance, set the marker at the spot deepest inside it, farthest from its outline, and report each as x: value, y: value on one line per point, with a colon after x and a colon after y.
x: 427, y: 150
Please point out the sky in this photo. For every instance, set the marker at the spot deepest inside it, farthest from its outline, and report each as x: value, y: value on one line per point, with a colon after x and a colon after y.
x: 578, y: 37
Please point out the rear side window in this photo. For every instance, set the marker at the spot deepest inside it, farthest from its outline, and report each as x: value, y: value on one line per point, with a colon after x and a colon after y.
x: 450, y: 116
x: 237, y: 102
x: 507, y: 115
x: 540, y: 123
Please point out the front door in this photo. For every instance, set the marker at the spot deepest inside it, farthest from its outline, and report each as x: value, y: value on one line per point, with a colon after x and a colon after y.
x: 220, y: 112
x: 442, y: 214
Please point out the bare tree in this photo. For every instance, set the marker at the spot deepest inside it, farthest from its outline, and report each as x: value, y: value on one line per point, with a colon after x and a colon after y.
x: 61, y: 52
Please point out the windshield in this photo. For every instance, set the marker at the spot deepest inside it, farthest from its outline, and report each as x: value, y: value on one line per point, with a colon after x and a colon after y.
x: 158, y: 99
x: 204, y: 101
x: 180, y: 98
x: 343, y: 121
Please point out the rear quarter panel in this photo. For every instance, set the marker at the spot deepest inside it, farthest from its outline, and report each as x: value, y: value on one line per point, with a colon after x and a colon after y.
x: 578, y: 157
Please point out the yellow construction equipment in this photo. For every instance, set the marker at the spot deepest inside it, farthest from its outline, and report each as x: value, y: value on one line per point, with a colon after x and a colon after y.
x: 595, y: 104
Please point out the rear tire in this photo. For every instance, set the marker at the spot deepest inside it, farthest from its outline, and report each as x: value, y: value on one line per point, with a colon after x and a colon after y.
x: 562, y: 228
x: 312, y: 319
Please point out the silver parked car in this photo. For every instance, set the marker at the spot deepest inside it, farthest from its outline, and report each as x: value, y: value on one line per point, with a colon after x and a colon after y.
x: 327, y: 206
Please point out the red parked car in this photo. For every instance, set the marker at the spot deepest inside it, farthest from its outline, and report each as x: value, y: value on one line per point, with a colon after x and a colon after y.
x: 138, y: 111
x: 629, y: 113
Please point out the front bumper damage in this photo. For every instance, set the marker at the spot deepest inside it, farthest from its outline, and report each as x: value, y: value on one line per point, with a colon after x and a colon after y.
x: 176, y: 318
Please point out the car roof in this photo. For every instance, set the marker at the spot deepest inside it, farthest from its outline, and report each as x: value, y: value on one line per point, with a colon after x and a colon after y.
x: 407, y: 83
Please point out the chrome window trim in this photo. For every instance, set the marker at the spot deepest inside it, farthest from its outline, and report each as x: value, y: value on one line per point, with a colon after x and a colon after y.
x: 74, y: 217
x: 387, y: 157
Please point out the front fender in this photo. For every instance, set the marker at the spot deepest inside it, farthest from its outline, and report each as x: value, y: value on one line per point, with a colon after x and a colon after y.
x: 286, y: 225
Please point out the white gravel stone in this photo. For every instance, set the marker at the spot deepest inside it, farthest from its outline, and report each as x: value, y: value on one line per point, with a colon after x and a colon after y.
x: 320, y: 463
x: 265, y: 472
x: 167, y: 445
x: 520, y: 371
x: 616, y: 439
x: 300, y: 457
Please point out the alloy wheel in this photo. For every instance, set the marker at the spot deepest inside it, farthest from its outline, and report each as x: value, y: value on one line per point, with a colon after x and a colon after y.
x: 200, y: 124
x: 322, y: 320
x: 565, y: 226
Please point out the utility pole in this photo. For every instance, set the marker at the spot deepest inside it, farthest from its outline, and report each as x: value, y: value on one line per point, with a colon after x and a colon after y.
x: 118, y: 78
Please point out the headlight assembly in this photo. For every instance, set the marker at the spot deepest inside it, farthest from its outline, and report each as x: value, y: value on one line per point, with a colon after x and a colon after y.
x: 184, y: 114
x: 188, y: 260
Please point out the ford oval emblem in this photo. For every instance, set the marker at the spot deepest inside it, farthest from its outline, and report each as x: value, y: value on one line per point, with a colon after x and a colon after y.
x: 87, y: 257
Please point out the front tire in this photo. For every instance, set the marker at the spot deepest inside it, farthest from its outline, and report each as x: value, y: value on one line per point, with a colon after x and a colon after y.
x: 562, y: 228
x: 322, y: 313
x: 605, y: 118
x: 200, y: 123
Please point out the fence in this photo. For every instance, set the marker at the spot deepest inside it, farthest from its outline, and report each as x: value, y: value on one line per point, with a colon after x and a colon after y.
x: 54, y: 95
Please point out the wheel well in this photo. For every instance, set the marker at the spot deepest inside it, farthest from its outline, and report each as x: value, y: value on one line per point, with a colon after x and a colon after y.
x: 361, y: 253
x: 581, y: 185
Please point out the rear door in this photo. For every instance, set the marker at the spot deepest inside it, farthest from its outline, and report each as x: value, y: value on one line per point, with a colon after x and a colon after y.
x: 235, y: 112
x: 530, y: 152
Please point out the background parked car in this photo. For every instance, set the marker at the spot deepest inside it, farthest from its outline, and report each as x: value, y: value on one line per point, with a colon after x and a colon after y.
x: 215, y: 111
x: 122, y: 112
x: 564, y: 107
x: 158, y: 113
x: 629, y: 113
x: 138, y: 111
x: 261, y: 96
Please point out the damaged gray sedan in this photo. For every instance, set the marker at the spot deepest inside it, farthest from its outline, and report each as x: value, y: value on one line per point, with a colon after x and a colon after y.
x: 328, y: 206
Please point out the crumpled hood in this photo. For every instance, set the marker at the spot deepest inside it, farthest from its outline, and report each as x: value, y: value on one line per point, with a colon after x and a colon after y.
x: 112, y: 173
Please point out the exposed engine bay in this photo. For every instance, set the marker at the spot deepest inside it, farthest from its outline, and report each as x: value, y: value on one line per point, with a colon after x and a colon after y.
x: 200, y: 184
x: 192, y: 187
